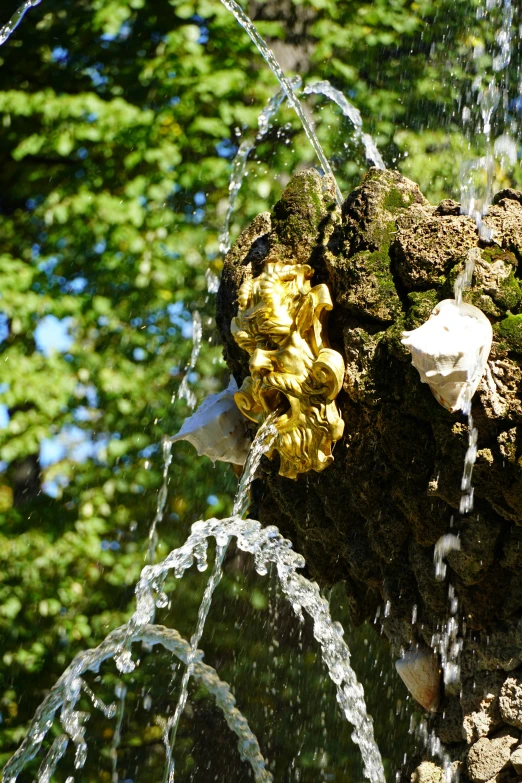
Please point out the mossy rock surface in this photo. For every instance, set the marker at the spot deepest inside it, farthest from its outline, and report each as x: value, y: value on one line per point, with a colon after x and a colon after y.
x: 373, y: 518
x: 510, y: 331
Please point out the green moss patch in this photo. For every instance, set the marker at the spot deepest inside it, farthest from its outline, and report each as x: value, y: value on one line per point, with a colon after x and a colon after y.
x: 421, y: 306
x: 510, y: 331
x: 397, y: 199
x: 509, y: 295
x: 365, y: 286
x: 304, y: 203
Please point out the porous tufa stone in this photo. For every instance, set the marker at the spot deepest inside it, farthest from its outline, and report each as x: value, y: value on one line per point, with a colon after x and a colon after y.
x: 480, y: 705
x: 516, y: 760
x: 450, y: 351
x: 487, y: 757
x: 217, y: 428
x: 427, y: 772
x: 511, y: 701
x: 420, y: 672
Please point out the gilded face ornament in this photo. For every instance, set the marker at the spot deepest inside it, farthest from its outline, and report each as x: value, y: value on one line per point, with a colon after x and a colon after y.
x: 281, y: 323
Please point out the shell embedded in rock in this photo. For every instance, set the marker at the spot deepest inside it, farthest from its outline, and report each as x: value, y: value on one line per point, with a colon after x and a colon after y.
x: 420, y: 672
x: 217, y: 428
x: 450, y: 351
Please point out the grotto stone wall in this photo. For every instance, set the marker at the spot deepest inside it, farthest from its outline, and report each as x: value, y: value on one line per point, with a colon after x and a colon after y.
x: 373, y: 517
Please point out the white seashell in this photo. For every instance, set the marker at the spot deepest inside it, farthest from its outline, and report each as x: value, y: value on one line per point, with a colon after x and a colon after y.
x: 450, y: 351
x: 217, y: 428
x: 420, y: 672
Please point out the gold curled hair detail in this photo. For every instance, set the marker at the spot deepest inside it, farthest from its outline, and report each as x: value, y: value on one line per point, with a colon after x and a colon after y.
x: 281, y: 323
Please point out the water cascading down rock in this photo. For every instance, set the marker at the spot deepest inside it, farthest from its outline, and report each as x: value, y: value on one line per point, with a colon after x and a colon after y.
x: 373, y: 516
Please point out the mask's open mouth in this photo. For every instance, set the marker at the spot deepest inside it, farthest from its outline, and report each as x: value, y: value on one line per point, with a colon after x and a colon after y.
x: 270, y: 398
x: 257, y: 399
x: 276, y: 400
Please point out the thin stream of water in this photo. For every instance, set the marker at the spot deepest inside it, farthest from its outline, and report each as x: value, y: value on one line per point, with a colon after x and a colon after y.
x: 261, y: 444
x: 354, y: 115
x: 162, y: 500
x: 476, y: 199
x: 184, y: 390
x: 234, y: 186
x: 15, y: 20
x: 276, y: 69
x: 489, y: 98
x: 462, y: 282
x: 50, y: 762
x: 120, y: 693
x: 447, y: 642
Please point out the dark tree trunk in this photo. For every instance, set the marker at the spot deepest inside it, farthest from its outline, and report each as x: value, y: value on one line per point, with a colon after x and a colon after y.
x: 373, y: 517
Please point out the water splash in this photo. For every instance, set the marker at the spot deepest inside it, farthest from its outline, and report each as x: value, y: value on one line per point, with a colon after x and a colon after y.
x: 15, y: 20
x: 240, y: 161
x: 502, y: 58
x: 276, y: 69
x: 261, y: 444
x: 212, y: 281
x: 447, y: 641
x: 268, y: 546
x: 477, y: 176
x: 429, y: 740
x: 61, y: 694
x: 354, y: 115
x: 446, y: 544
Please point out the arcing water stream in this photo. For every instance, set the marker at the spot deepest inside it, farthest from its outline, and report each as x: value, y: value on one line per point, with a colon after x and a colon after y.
x: 65, y: 694
x: 15, y: 20
x: 267, y: 546
x: 261, y: 444
x: 373, y: 155
x: 286, y: 85
x: 241, y: 158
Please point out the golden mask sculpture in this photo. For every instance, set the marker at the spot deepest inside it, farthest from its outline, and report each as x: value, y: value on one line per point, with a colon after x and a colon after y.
x: 293, y: 370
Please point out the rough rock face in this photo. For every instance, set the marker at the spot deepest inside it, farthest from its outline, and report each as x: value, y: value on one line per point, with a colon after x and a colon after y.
x: 373, y: 517
x: 488, y: 757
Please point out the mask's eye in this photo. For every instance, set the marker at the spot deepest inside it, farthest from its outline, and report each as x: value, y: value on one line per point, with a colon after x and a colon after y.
x: 268, y: 345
